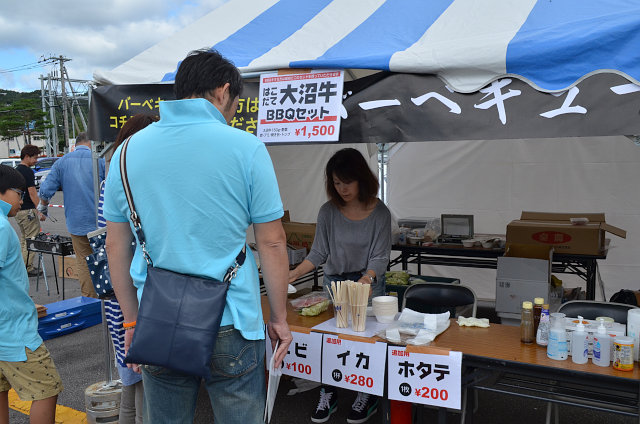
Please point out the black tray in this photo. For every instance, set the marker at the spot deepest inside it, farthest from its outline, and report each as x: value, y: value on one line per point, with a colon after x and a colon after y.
x: 63, y: 248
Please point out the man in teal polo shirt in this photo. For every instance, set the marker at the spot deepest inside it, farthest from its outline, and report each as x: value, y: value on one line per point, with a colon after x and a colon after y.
x: 25, y: 363
x: 198, y: 184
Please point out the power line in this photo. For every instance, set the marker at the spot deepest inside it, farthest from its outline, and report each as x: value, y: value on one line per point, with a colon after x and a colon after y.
x: 28, y: 66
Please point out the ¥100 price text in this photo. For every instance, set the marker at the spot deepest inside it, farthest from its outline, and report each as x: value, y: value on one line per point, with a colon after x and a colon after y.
x: 298, y: 367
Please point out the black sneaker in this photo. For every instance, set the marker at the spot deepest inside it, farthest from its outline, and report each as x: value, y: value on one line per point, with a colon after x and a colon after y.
x: 327, y: 405
x: 363, y: 408
x: 33, y: 272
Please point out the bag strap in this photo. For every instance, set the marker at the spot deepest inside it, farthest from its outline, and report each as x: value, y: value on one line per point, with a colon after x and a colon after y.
x: 232, y: 271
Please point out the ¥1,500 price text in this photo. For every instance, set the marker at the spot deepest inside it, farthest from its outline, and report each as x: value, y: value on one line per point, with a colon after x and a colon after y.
x: 315, y: 131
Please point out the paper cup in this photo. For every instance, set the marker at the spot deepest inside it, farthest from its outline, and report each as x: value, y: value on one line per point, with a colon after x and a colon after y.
x: 341, y: 313
x: 358, y: 317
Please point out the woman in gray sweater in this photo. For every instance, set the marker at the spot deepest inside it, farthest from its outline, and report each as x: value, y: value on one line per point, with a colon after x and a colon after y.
x: 352, y: 242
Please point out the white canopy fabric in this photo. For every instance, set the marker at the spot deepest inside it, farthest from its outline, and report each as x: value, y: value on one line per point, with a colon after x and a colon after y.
x: 468, y: 43
x: 495, y: 180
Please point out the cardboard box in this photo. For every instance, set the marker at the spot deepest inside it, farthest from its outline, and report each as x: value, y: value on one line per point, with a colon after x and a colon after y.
x: 523, y: 273
x: 557, y: 231
x: 299, y: 234
x: 296, y: 255
x: 69, y: 270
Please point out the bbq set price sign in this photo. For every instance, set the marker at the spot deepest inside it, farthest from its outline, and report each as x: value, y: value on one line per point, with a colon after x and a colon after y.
x: 425, y: 378
x: 303, y: 358
x: 300, y: 107
x: 353, y: 365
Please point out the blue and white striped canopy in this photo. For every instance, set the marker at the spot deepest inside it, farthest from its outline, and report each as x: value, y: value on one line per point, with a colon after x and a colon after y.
x: 551, y: 44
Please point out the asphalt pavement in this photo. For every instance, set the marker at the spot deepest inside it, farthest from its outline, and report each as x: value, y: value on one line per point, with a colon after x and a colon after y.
x: 81, y: 361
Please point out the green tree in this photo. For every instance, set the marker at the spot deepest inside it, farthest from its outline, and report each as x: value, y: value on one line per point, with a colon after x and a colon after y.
x: 22, y: 117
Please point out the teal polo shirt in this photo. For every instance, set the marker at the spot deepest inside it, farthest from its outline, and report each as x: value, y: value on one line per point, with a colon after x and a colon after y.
x: 18, y: 316
x: 198, y: 184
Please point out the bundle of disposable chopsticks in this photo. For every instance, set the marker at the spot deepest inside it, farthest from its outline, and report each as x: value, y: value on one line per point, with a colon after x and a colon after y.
x: 358, y: 298
x: 340, y: 297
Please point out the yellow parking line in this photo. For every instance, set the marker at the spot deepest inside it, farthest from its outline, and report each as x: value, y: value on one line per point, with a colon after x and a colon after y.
x: 64, y: 414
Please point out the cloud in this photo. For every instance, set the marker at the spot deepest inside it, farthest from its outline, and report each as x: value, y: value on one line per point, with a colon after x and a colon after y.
x: 97, y: 34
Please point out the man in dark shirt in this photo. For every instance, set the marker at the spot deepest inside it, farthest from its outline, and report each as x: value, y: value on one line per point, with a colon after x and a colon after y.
x: 28, y: 217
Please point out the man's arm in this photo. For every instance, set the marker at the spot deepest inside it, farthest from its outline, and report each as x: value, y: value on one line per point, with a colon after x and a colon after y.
x: 272, y: 247
x: 119, y: 254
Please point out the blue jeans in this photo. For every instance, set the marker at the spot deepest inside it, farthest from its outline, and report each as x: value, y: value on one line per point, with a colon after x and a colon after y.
x: 236, y: 390
x: 377, y: 289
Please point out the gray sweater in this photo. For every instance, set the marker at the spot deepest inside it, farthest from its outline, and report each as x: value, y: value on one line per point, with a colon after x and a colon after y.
x: 343, y: 245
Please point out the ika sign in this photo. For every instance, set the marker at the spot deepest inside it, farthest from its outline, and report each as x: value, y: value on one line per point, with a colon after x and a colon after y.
x: 425, y: 378
x: 300, y: 107
x: 353, y: 365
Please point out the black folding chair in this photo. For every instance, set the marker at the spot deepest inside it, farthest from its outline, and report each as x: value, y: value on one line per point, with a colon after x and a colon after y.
x: 437, y: 298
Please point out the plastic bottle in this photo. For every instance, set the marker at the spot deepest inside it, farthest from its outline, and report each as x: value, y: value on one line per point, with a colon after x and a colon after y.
x: 557, y: 347
x: 542, y: 335
x: 526, y: 323
x: 579, y: 344
x: 537, y: 310
x: 623, y: 353
x: 601, y: 346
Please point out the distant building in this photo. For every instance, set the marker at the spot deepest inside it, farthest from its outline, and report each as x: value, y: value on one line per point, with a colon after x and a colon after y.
x: 11, y: 147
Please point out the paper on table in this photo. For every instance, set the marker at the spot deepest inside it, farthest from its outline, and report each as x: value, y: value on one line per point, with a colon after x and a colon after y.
x: 272, y: 386
x: 372, y: 328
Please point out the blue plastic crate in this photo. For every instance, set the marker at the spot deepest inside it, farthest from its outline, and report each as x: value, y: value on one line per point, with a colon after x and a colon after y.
x: 68, y: 316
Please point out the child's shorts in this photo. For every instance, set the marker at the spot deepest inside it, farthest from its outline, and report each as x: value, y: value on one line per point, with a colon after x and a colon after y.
x: 33, y: 379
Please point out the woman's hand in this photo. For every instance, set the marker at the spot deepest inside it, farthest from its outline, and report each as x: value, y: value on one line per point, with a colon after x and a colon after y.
x: 293, y: 275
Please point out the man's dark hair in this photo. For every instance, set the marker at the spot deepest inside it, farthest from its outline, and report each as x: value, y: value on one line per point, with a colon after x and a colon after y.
x: 349, y: 165
x: 82, y: 138
x: 29, y: 150
x: 205, y: 70
x: 11, y: 178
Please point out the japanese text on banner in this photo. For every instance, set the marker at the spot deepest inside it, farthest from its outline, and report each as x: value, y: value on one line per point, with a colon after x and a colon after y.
x: 424, y: 378
x: 353, y: 365
x: 300, y: 107
x: 303, y: 359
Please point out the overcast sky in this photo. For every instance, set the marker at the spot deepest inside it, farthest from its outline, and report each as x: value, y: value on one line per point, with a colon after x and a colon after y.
x: 95, y: 34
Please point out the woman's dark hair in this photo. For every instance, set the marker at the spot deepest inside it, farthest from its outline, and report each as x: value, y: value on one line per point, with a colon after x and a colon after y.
x: 205, y: 70
x: 132, y: 126
x: 11, y: 178
x: 349, y: 165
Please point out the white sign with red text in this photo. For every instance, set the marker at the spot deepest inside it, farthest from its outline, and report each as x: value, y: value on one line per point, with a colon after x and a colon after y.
x: 303, y: 359
x: 353, y: 365
x: 300, y: 107
x: 425, y: 378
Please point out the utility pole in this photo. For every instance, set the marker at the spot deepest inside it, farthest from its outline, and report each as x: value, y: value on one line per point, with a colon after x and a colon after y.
x: 68, y: 98
x: 62, y: 59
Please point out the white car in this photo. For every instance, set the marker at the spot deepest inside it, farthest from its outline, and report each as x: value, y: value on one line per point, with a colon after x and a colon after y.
x: 12, y: 162
x: 40, y: 176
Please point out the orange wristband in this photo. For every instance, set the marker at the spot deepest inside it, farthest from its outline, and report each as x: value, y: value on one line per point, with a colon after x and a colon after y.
x: 126, y: 325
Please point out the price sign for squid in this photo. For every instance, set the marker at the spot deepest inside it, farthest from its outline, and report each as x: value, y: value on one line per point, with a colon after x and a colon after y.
x: 424, y: 378
x: 303, y: 358
x: 353, y: 365
x: 300, y: 107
